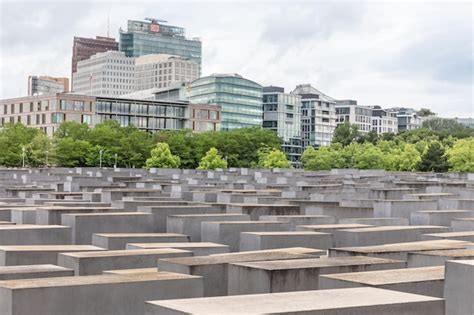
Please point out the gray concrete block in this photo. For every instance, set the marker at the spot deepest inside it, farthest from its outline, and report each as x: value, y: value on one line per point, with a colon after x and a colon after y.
x: 438, y: 257
x: 367, y: 301
x: 84, y: 225
x: 190, y: 224
x: 297, y: 275
x: 33, y: 271
x: 438, y: 217
x: 464, y: 224
x: 93, y: 263
x: 271, y: 240
x: 459, y: 287
x: 296, y: 220
x: 94, y: 295
x: 35, y: 235
x: 113, y: 241
x: 228, y: 232
x: 425, y: 280
x: 198, y: 248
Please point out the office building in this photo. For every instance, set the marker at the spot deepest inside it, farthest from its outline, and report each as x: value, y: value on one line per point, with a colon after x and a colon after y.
x: 156, y: 37
x: 282, y: 114
x: 108, y: 73
x: 47, y: 112
x: 240, y: 99
x: 47, y: 85
x: 469, y: 122
x: 383, y: 120
x: 349, y: 111
x: 318, y: 116
x: 84, y: 48
x: 161, y: 71
x: 113, y: 74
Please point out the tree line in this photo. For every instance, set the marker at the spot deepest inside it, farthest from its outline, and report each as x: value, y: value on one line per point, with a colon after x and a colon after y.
x: 109, y: 144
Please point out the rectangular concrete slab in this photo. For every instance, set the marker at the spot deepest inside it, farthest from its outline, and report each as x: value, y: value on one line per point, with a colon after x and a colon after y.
x: 214, y: 268
x: 438, y: 257
x: 198, y: 248
x: 38, y: 254
x: 93, y: 263
x: 34, y: 271
x: 84, y: 225
x: 367, y: 301
x: 272, y: 240
x: 94, y: 295
x: 35, y: 235
x: 190, y: 224
x: 425, y: 280
x: 467, y: 236
x: 459, y: 287
x: 296, y: 220
x: 114, y: 241
x: 297, y: 275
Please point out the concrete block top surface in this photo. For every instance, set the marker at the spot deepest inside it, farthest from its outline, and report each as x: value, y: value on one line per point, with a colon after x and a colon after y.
x: 394, y: 228
x: 48, y: 248
x: 316, y: 262
x: 452, y: 234
x: 289, y: 233
x: 31, y: 227
x: 335, y: 226
x: 293, y: 253
x: 91, y: 280
x: 208, y: 215
x: 107, y: 214
x: 131, y: 235
x: 409, y: 246
x: 125, y: 252
x: 462, y: 262
x: 178, y: 245
x: 292, y: 302
x: 130, y: 271
x: 30, y: 269
x: 448, y: 253
x: 392, y: 276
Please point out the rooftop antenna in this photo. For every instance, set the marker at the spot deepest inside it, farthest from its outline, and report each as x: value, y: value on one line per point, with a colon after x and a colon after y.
x: 108, y: 22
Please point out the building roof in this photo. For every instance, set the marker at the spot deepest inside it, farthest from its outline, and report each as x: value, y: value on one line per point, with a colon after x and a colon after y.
x: 308, y: 89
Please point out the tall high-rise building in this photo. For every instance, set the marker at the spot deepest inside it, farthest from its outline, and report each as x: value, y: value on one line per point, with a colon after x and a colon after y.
x: 47, y: 85
x: 111, y: 73
x: 83, y: 48
x: 318, y: 116
x: 282, y: 114
x: 156, y: 37
x: 240, y: 99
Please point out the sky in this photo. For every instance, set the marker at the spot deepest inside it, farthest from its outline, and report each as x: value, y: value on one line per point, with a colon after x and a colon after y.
x: 401, y: 53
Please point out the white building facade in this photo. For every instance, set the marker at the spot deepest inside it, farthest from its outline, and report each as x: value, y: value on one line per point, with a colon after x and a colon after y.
x: 349, y: 111
x: 113, y: 74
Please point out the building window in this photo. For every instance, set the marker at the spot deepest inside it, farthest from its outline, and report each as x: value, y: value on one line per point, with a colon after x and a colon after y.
x: 87, y: 119
x: 57, y: 118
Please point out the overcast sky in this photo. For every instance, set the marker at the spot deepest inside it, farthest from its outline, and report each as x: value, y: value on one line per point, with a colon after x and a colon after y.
x: 378, y: 53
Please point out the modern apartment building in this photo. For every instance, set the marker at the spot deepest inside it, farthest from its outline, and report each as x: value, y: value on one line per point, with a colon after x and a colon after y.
x: 383, y: 120
x: 84, y: 48
x: 154, y: 36
x: 47, y: 112
x: 282, y: 114
x: 113, y: 74
x: 240, y: 99
x: 47, y: 85
x: 349, y: 111
x: 318, y: 116
x: 408, y: 118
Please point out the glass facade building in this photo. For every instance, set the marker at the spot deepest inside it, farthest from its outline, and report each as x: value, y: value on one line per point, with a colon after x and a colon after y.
x: 240, y: 99
x: 282, y: 114
x: 144, y: 38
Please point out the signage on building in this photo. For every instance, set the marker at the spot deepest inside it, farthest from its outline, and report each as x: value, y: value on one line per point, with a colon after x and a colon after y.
x: 155, y: 28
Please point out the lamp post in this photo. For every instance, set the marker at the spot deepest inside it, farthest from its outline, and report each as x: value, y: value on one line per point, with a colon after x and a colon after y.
x: 100, y: 157
x: 23, y: 154
x: 115, y: 164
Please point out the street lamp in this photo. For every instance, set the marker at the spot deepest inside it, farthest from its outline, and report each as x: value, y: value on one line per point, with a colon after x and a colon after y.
x: 23, y: 154
x: 115, y: 164
x: 100, y: 157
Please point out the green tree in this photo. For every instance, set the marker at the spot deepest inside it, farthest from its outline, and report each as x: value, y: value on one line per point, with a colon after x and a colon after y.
x: 406, y: 158
x: 273, y: 158
x: 212, y: 160
x: 423, y: 112
x: 461, y: 155
x: 371, y: 137
x: 346, y: 133
x: 369, y: 156
x: 72, y: 129
x: 326, y: 158
x: 40, y: 151
x: 161, y: 157
x: 434, y: 159
x: 14, y: 138
x: 72, y: 153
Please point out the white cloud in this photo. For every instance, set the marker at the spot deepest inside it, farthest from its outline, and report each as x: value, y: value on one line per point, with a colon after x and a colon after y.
x: 387, y: 53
